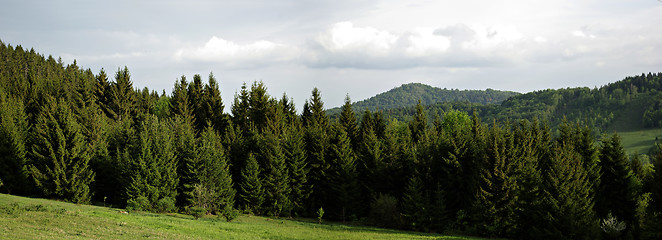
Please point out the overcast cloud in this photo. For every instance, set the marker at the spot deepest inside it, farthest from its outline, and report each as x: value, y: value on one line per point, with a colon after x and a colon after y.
x: 343, y: 47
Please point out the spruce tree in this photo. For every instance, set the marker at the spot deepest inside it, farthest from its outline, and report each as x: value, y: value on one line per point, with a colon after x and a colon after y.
x: 419, y: 124
x: 251, y: 191
x: 186, y: 147
x: 415, y: 205
x: 317, y: 147
x: 180, y: 102
x: 493, y: 211
x: 276, y: 177
x: 348, y: 122
x: 343, y: 176
x: 567, y: 200
x: 122, y: 96
x: 295, y: 156
x: 213, y: 171
x: 617, y: 192
x: 59, y: 159
x: 213, y: 106
x: 153, y: 168
x: 14, y: 129
x: 240, y: 108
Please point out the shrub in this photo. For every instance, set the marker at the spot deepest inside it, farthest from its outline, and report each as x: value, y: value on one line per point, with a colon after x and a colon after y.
x: 138, y: 204
x: 166, y: 204
x: 320, y: 214
x: 197, y: 212
x: 229, y: 213
x: 612, y: 227
x: 384, y: 211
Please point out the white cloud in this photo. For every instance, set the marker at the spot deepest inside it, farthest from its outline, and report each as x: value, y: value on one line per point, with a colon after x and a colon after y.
x: 239, y: 55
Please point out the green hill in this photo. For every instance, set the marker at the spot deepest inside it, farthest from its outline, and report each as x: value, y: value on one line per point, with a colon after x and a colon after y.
x: 27, y: 218
x: 409, y: 95
x: 632, y: 106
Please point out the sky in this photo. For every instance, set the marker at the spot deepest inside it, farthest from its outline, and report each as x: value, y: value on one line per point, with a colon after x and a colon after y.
x: 358, y: 48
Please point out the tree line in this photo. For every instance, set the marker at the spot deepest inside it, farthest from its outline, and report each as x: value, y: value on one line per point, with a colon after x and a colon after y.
x: 77, y: 136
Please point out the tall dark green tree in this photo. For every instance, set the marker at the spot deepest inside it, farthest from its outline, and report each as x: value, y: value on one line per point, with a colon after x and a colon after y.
x: 122, y: 96
x: 251, y: 191
x: 153, y: 168
x: 618, y: 188
x: 419, y: 124
x: 180, y: 102
x: 59, y: 157
x: 212, y: 106
x: 348, y: 122
x: 275, y: 175
x: 343, y: 176
x: 295, y: 157
x: 188, y: 161
x: 317, y: 146
x: 14, y: 129
x: 212, y: 170
x: 567, y: 200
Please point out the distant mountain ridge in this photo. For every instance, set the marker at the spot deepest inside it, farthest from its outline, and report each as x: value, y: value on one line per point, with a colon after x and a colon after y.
x: 408, y: 95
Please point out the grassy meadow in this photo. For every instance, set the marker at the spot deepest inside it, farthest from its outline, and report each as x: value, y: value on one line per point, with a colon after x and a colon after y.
x: 28, y: 218
x: 640, y: 141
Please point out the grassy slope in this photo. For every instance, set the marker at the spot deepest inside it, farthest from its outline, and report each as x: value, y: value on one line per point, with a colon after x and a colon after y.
x: 27, y: 218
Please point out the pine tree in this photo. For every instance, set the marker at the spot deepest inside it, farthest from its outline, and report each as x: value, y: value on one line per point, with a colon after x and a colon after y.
x: 567, y: 200
x: 617, y: 191
x: 494, y: 208
x: 414, y: 205
x: 213, y: 171
x: 59, y: 156
x: 295, y: 156
x: 251, y: 192
x: 180, y: 102
x: 153, y: 169
x: 186, y: 147
x: 348, y: 121
x: 240, y: 108
x: 122, y: 96
x: 213, y: 106
x: 14, y: 129
x: 419, y: 124
x: 276, y: 177
x: 343, y: 176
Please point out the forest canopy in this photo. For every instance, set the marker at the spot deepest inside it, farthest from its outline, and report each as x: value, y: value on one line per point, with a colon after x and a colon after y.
x: 82, y: 137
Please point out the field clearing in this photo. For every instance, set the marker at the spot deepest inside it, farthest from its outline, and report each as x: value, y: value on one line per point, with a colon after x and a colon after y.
x: 28, y: 218
x: 640, y: 141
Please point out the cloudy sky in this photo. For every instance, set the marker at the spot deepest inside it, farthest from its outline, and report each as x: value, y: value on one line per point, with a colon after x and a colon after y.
x: 359, y: 47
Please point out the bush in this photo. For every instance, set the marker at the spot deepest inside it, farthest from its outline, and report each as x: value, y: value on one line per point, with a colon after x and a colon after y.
x: 197, y: 212
x: 612, y: 227
x: 384, y: 211
x: 229, y: 213
x: 166, y: 205
x: 138, y: 204
x: 320, y: 214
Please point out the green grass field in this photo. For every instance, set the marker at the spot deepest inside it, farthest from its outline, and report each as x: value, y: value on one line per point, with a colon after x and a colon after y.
x: 640, y: 141
x: 27, y: 218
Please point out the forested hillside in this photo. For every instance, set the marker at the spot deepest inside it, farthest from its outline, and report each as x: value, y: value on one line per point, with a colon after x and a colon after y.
x: 73, y: 135
x: 409, y: 94
x: 632, y: 103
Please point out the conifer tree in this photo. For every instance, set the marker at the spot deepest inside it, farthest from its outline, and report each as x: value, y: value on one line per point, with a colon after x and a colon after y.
x: 617, y: 192
x: 494, y: 208
x: 14, y: 129
x: 295, y: 156
x: 258, y: 103
x: 153, y: 169
x: 186, y: 147
x: 251, y: 192
x: 213, y: 171
x: 240, y: 108
x: 415, y: 205
x: 275, y: 175
x: 348, y: 122
x: 213, y: 106
x: 317, y: 145
x: 122, y: 95
x: 419, y: 124
x: 343, y: 176
x: 196, y: 102
x: 180, y: 102
x: 102, y: 92
x: 567, y: 200
x: 59, y: 156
